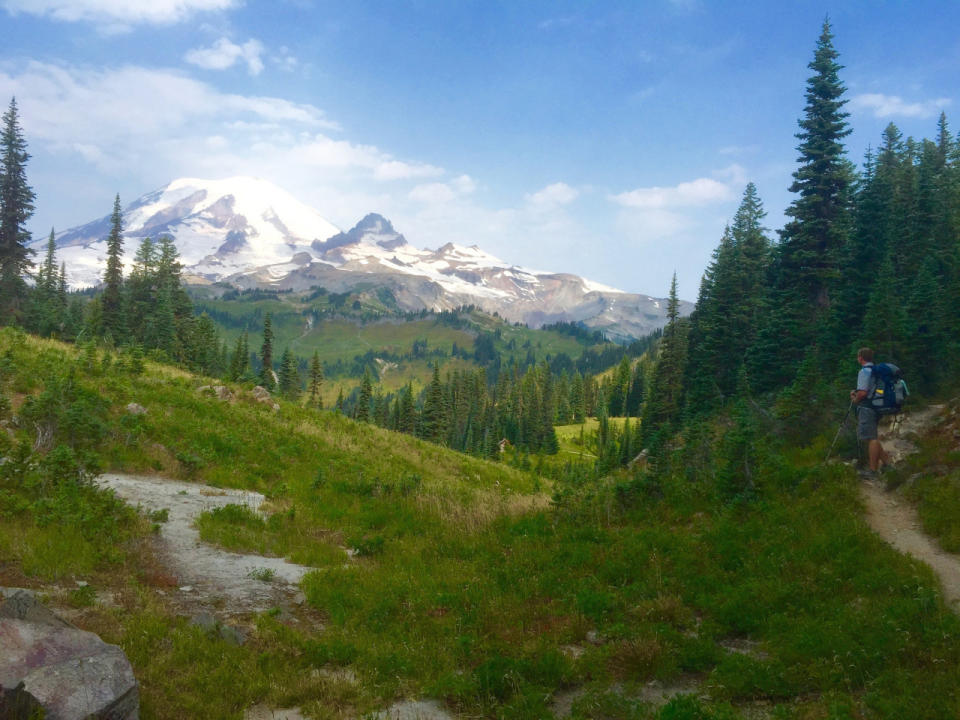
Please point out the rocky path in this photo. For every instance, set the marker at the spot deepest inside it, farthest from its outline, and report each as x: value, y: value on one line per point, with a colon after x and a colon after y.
x: 896, y: 521
x: 205, y: 574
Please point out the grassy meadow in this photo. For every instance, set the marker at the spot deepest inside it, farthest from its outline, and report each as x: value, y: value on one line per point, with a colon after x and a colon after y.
x: 308, y: 324
x: 492, y: 589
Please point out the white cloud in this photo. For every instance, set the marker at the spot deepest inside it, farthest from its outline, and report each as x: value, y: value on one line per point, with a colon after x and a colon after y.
x: 552, y: 197
x: 892, y: 105
x: 442, y: 193
x: 116, y: 12
x: 398, y: 170
x: 134, y: 129
x: 734, y: 175
x: 464, y: 184
x: 285, y: 60
x: 432, y: 194
x: 224, y: 54
x: 702, y: 191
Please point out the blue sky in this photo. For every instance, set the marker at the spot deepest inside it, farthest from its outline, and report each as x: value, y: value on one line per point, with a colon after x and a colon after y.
x: 609, y: 139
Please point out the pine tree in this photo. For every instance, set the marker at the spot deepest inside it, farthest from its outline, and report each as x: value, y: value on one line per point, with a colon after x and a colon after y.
x: 407, y: 411
x: 113, y: 319
x: 729, y: 306
x: 362, y: 411
x: 238, y: 356
x: 16, y: 208
x: 289, y: 378
x: 666, y: 387
x: 338, y: 405
x: 617, y: 399
x: 316, y: 380
x: 806, y: 268
x: 433, y: 417
x: 45, y: 313
x: 577, y: 399
x: 820, y: 214
x: 266, y: 354
x: 141, y: 295
x: 737, y: 452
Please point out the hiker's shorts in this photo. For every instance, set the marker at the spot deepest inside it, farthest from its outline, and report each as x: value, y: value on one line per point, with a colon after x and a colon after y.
x: 866, y: 424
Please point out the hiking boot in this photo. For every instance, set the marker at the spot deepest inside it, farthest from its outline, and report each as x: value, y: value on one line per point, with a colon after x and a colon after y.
x: 868, y: 474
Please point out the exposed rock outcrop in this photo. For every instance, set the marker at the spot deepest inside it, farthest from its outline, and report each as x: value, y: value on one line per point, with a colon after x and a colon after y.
x: 50, y: 666
x: 221, y: 392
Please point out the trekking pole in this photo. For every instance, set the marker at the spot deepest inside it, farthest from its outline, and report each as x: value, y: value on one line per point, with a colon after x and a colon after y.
x: 837, y: 436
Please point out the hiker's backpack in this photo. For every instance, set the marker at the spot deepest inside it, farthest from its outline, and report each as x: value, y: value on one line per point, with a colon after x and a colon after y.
x: 889, y: 389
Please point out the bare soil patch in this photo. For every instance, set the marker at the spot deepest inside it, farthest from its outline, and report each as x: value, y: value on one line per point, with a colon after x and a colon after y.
x: 202, y: 575
x: 896, y: 521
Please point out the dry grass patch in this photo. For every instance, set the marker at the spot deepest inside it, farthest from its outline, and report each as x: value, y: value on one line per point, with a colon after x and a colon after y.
x: 475, y: 510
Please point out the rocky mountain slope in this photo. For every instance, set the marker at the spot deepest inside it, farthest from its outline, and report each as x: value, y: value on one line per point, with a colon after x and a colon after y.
x: 250, y: 233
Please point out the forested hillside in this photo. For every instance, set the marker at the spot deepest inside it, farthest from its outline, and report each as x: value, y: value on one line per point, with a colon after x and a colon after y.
x: 868, y: 258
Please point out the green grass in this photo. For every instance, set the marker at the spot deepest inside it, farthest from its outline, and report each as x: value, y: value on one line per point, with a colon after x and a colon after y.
x: 468, y: 585
x: 932, y: 479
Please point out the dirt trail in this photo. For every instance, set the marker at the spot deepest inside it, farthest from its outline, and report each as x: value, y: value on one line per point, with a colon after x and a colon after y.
x: 896, y: 521
x: 207, y: 575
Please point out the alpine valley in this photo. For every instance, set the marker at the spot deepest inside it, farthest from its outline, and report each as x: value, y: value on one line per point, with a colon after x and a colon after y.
x: 248, y: 233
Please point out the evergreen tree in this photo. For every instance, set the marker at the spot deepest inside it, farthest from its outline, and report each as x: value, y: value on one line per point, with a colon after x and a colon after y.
x: 46, y: 315
x: 729, y: 306
x: 666, y: 387
x: 338, y: 405
x: 806, y: 269
x: 289, y: 378
x: 266, y: 354
x: 820, y: 214
x: 362, y: 411
x: 433, y: 417
x: 16, y: 208
x: 617, y: 398
x: 886, y: 318
x: 316, y: 380
x: 737, y: 455
x: 578, y: 406
x: 407, y: 422
x: 113, y: 319
x: 142, y: 295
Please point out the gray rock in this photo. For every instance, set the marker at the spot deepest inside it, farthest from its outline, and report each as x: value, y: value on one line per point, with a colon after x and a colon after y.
x: 221, y: 392
x: 208, y: 623
x: 136, y: 409
x: 415, y: 710
x: 21, y: 604
x: 50, y: 666
x: 204, y: 621
x: 232, y: 635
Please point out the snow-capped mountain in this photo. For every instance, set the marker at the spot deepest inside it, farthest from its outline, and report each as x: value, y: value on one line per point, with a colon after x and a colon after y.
x: 220, y: 227
x: 250, y: 233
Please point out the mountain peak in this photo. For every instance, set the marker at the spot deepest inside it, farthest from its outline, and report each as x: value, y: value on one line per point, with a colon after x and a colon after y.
x: 247, y: 231
x: 373, y: 229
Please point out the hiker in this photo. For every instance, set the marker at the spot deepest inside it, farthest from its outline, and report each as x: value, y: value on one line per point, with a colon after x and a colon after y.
x: 867, y: 417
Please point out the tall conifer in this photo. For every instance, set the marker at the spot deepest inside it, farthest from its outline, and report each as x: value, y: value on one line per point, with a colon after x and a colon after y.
x: 266, y: 354
x: 316, y: 380
x: 806, y: 267
x: 113, y: 319
x: 16, y: 208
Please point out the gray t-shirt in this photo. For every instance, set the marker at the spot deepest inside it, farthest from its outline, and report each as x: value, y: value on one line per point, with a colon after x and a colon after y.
x: 865, y: 378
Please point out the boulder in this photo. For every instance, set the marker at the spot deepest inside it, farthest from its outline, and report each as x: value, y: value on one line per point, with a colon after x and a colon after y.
x: 221, y: 392
x: 52, y: 669
x: 136, y: 409
x: 260, y: 394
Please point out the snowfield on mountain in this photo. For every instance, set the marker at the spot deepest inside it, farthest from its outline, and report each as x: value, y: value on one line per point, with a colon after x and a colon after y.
x: 248, y: 233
